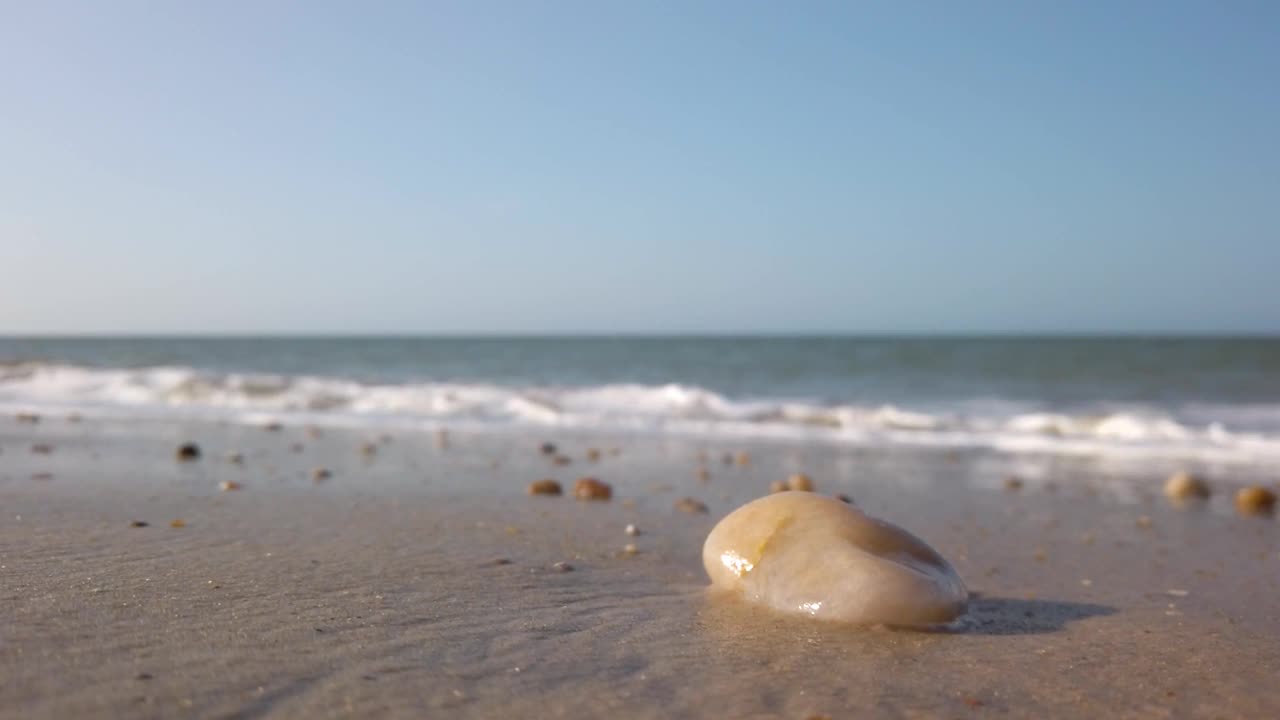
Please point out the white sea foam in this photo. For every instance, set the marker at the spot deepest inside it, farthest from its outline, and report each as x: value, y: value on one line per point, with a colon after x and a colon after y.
x: 1218, y: 432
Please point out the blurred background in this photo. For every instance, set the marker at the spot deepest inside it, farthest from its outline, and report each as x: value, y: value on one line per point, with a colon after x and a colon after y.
x: 1024, y: 227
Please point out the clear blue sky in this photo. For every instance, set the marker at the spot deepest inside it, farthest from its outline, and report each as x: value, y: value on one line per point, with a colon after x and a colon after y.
x: 639, y: 166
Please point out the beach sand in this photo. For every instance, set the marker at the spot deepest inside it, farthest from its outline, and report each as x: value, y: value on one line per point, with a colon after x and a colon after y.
x: 420, y: 581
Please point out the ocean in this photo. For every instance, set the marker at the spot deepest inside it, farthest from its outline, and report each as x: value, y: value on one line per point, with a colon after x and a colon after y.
x: 1214, y: 399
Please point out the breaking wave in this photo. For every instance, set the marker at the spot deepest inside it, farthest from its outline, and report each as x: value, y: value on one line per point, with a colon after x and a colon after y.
x: 1222, y: 432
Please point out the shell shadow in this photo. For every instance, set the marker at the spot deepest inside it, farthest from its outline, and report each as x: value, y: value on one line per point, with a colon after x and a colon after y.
x: 1012, y: 616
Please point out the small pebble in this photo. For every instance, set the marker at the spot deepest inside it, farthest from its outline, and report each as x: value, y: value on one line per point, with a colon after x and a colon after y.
x: 691, y: 505
x: 844, y: 499
x: 742, y: 459
x: 235, y: 457
x: 800, y: 482
x: 499, y: 561
x: 139, y: 523
x: 630, y: 549
x: 1143, y: 522
x: 592, y: 489
x: 297, y: 447
x: 561, y: 460
x: 179, y: 523
x: 704, y: 475
x: 1255, y: 501
x: 42, y: 476
x: 632, y: 530
x: 562, y: 567
x: 1013, y: 483
x: 313, y: 432
x: 547, y: 448
x: 777, y: 486
x: 30, y: 418
x: 228, y: 485
x: 544, y: 487
x: 187, y: 452
x: 593, y: 454
x: 320, y: 473
x: 369, y: 449
x: 273, y: 426
x: 1185, y: 486
x: 42, y: 449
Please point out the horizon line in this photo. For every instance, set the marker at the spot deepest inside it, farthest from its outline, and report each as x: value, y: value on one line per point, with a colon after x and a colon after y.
x: 647, y: 334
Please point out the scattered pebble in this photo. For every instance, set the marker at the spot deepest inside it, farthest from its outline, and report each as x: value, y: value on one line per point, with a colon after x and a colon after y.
x: 544, y: 487
x: 499, y: 561
x: 777, y: 486
x: 691, y: 505
x: 1185, y: 486
x: 442, y: 439
x: 632, y: 530
x: 592, y: 489
x: 29, y: 418
x: 742, y: 459
x: 1013, y: 483
x: 273, y: 426
x: 187, y: 452
x: 562, y: 567
x: 1086, y: 582
x: 313, y: 432
x: 369, y: 449
x: 561, y: 460
x: 178, y: 523
x: 320, y: 473
x: 228, y: 485
x: 297, y: 447
x: 547, y: 448
x: 1143, y: 522
x: 845, y: 499
x: 139, y: 523
x: 800, y: 482
x: 1255, y: 501
x: 42, y: 448
x: 235, y: 457
x: 42, y: 476
x: 704, y: 474
x: 630, y: 549
x: 593, y: 454
x: 74, y: 418
x: 1178, y: 593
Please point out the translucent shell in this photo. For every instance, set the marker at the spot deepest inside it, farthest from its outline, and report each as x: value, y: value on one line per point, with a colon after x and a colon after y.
x: 799, y: 552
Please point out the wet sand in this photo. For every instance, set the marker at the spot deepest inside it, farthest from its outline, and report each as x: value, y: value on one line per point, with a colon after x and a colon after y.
x: 420, y: 581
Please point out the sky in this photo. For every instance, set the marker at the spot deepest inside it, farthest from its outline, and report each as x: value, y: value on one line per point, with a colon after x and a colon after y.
x: 607, y: 166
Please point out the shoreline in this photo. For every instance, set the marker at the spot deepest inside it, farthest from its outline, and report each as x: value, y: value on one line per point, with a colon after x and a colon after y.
x: 376, y: 591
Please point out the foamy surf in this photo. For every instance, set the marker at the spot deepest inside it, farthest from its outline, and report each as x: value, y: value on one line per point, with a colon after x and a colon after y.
x: 1223, y: 433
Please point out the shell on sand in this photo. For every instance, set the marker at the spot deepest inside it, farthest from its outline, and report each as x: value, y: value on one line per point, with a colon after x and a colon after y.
x: 799, y: 552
